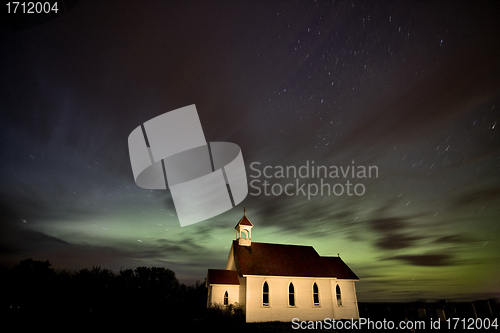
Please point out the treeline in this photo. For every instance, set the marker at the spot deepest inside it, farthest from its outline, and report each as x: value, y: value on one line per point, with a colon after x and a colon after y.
x: 32, y: 289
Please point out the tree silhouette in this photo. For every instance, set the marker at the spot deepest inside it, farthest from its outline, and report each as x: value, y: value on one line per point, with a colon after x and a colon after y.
x: 32, y: 289
x: 32, y: 283
x: 94, y: 289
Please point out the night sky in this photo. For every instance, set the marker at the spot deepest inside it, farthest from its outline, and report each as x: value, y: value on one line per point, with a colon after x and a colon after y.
x: 411, y: 87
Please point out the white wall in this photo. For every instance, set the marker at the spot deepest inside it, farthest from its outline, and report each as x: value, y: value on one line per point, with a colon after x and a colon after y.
x: 216, y: 293
x: 243, y: 291
x: 304, y: 308
x: 230, y: 265
x: 349, y: 308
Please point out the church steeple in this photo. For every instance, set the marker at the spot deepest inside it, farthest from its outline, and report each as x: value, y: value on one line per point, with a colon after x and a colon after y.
x: 244, y: 230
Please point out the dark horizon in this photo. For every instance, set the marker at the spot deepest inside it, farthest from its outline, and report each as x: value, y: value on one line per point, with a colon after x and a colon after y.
x: 38, y: 268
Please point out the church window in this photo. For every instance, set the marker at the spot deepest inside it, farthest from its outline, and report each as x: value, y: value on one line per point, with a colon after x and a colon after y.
x: 226, y: 298
x: 315, y: 294
x: 265, y: 294
x: 339, y: 296
x: 291, y: 295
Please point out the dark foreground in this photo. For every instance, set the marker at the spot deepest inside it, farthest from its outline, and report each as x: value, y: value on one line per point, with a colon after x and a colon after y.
x: 420, y: 316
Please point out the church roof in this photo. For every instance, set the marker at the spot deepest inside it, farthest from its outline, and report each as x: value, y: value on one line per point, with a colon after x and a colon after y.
x: 287, y: 260
x: 339, y: 268
x: 244, y: 221
x: 222, y: 276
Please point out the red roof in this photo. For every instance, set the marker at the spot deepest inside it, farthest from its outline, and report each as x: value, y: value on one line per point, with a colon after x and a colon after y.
x: 288, y: 260
x: 244, y: 221
x: 338, y: 268
x: 222, y: 276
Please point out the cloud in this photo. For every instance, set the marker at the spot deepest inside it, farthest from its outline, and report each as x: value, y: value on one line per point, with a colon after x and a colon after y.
x: 431, y: 260
x: 453, y: 239
x: 17, y: 244
x: 187, y: 244
x: 395, y: 241
x: 478, y: 197
x: 393, y: 234
x: 388, y: 225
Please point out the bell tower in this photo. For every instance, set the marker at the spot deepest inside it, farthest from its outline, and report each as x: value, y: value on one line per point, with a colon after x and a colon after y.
x: 244, y: 230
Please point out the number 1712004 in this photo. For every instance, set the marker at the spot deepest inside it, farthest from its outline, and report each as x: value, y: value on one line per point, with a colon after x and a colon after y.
x: 472, y: 323
x: 16, y: 7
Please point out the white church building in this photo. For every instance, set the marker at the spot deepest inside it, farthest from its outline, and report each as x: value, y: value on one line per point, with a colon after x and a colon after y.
x: 275, y: 282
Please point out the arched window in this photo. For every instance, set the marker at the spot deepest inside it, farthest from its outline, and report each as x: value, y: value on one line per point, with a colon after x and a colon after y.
x: 339, y: 296
x: 315, y: 294
x: 291, y: 295
x: 226, y: 298
x: 265, y: 294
